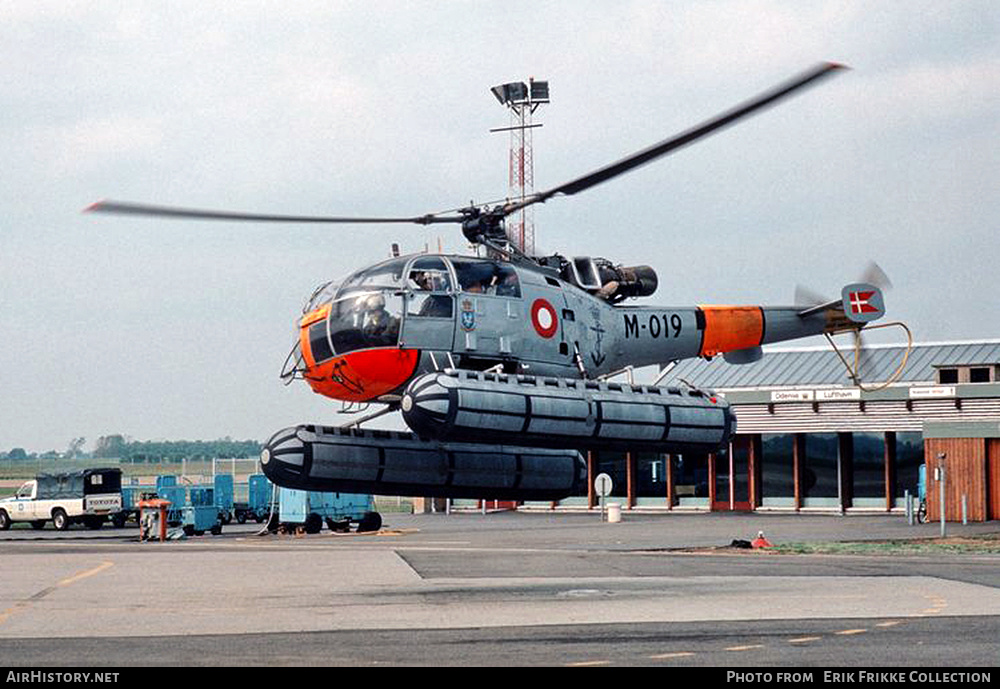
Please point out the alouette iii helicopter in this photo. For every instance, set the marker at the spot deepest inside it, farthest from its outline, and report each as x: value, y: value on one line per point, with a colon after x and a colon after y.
x: 500, y: 365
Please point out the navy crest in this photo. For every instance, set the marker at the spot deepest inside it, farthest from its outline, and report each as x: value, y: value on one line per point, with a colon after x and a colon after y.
x: 468, y: 315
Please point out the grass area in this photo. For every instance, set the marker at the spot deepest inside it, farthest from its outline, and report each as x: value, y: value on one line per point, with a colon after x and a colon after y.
x: 389, y: 505
x: 985, y: 543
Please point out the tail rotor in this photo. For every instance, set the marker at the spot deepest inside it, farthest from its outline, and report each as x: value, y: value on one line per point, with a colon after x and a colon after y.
x: 860, y: 304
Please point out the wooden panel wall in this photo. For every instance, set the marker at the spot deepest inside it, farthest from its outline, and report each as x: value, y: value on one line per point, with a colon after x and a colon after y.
x: 965, y: 466
x: 993, y: 478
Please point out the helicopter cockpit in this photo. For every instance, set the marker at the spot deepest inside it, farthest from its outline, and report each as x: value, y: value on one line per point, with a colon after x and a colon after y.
x: 364, y: 311
x: 404, y: 304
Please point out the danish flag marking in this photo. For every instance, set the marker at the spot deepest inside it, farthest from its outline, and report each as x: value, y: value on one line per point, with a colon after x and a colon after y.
x: 859, y: 302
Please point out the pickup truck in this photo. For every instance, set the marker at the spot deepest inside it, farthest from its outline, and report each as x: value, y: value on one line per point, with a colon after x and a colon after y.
x: 89, y: 496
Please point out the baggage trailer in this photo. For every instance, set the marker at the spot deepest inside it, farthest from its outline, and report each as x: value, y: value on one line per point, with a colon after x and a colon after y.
x: 130, y: 505
x: 309, y: 510
x: 223, y: 484
x: 258, y: 504
x: 201, y: 513
x: 167, y: 488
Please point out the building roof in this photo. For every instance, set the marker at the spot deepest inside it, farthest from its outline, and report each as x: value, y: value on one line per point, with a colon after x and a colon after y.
x: 820, y: 366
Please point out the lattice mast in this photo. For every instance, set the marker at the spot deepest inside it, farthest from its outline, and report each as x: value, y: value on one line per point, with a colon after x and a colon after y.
x: 521, y: 100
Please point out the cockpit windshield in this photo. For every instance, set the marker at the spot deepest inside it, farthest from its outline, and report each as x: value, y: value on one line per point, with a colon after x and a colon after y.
x: 321, y: 295
x: 386, y: 274
x: 361, y: 321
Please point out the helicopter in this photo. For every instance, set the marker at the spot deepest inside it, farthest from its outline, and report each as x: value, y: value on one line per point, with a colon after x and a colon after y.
x: 501, y: 366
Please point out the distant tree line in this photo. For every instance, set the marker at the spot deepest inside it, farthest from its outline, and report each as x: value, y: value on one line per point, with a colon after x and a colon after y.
x: 126, y: 449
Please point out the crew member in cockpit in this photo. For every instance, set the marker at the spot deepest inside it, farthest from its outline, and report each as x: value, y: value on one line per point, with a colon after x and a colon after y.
x: 508, y: 285
x: 430, y: 281
x: 376, y: 320
x: 423, y: 280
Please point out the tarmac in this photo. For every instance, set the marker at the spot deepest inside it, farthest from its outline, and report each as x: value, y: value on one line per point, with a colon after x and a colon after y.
x: 544, y: 582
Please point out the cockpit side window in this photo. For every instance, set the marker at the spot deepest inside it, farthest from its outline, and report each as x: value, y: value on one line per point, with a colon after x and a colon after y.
x: 426, y: 305
x: 487, y: 277
x: 429, y: 273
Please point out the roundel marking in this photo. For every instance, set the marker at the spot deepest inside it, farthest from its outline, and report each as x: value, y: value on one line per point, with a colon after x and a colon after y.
x: 543, y: 317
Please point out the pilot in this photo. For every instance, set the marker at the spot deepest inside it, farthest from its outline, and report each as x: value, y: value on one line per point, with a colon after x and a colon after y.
x: 508, y: 285
x: 377, y: 320
x: 423, y: 280
x: 439, y: 282
x: 430, y: 280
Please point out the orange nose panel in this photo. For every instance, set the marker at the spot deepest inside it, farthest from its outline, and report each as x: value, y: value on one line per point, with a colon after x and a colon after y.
x: 363, y: 376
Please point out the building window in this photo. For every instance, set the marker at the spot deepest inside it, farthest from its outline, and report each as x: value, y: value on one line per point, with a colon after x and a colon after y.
x: 869, y: 465
x: 777, y: 469
x: 819, y: 473
x: 690, y: 478
x: 909, y: 457
x: 979, y: 375
x: 732, y: 472
x: 947, y: 375
x: 613, y: 464
x: 652, y: 478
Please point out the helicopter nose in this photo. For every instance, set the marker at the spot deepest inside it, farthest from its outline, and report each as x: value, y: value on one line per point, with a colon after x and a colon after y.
x: 364, y: 375
x: 351, y: 350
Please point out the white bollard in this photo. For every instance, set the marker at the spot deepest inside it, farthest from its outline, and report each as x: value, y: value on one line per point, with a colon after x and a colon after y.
x: 614, y: 513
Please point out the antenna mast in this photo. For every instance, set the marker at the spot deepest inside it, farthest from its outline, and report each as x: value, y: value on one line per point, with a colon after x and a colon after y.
x: 522, y: 100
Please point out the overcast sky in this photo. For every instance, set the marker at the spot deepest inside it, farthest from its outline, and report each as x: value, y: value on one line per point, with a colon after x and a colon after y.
x: 160, y: 329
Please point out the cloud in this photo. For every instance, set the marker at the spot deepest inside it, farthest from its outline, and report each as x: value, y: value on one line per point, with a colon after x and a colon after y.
x: 83, y: 146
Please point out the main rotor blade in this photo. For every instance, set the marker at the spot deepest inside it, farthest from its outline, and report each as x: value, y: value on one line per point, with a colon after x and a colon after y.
x: 125, y: 208
x: 650, y: 154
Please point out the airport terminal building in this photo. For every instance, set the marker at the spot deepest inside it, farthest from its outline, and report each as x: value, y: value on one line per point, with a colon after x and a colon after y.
x: 807, y: 439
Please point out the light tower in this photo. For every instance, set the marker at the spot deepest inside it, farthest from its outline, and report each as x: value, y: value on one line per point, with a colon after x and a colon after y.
x: 521, y: 100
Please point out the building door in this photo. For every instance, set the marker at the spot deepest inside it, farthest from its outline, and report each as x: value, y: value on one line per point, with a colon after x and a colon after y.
x: 732, y: 477
x: 993, y: 478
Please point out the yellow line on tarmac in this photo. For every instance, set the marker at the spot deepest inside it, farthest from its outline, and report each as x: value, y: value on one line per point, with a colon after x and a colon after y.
x: 10, y: 611
x: 589, y: 663
x: 846, y: 632
x: 88, y: 573
x: 667, y: 656
x: 804, y: 639
x: 44, y: 592
x: 745, y: 648
x: 890, y: 623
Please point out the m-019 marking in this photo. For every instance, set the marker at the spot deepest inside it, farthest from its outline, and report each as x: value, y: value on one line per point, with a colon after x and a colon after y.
x: 655, y: 325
